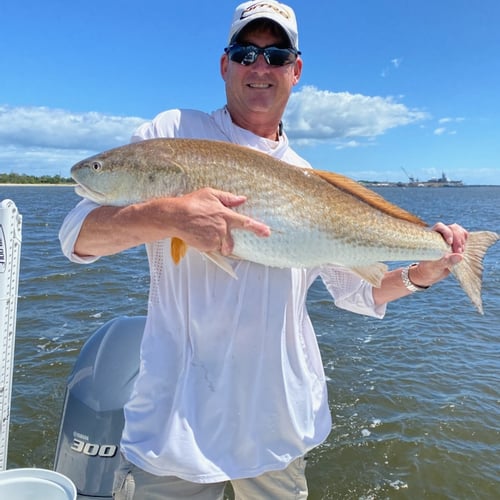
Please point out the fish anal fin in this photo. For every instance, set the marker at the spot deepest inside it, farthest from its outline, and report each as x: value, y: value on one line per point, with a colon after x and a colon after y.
x: 222, y: 262
x: 373, y: 199
x: 178, y: 249
x: 372, y: 273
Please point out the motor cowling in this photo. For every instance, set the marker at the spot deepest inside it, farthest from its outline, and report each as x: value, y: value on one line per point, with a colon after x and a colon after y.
x: 92, y: 418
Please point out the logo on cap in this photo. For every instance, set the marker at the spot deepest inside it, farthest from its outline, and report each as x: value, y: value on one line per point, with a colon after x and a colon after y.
x: 263, y: 6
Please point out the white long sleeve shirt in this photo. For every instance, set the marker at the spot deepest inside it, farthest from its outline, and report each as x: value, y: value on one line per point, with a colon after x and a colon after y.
x: 231, y: 381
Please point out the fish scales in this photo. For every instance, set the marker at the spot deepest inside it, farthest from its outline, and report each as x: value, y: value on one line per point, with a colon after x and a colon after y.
x: 315, y: 217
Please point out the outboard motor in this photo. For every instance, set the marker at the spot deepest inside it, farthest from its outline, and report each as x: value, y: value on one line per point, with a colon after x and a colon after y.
x: 92, y: 419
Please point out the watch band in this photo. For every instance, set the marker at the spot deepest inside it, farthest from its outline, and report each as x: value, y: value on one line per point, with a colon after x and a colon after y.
x: 408, y: 283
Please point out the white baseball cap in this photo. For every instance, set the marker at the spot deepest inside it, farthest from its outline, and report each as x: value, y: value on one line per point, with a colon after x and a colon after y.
x: 278, y: 12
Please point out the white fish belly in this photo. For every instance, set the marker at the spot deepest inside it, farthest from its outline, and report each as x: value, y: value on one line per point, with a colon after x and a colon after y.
x: 315, y: 248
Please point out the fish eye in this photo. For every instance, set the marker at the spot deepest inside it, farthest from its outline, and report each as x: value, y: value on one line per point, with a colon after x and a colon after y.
x: 96, y: 166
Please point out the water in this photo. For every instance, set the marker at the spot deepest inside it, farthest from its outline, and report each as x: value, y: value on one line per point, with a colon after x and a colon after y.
x: 415, y: 397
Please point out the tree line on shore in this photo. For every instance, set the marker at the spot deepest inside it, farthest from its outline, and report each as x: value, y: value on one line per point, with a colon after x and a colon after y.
x: 13, y: 178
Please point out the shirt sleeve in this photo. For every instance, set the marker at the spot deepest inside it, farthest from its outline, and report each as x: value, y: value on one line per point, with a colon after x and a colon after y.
x: 70, y: 230
x: 350, y: 292
x: 166, y: 124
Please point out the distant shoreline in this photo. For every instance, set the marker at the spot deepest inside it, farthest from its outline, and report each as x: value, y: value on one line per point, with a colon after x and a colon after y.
x: 403, y: 185
x: 36, y: 184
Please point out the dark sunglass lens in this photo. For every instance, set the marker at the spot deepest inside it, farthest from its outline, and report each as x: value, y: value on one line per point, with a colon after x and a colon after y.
x: 279, y: 57
x: 242, y: 54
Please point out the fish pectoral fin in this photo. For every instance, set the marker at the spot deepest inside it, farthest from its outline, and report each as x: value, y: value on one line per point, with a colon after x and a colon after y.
x: 372, y: 273
x: 178, y: 249
x: 220, y: 261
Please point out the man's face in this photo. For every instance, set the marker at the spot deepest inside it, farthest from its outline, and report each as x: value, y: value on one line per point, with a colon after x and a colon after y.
x: 258, y: 92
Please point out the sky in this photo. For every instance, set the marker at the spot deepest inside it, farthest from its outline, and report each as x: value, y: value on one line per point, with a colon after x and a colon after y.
x: 390, y: 88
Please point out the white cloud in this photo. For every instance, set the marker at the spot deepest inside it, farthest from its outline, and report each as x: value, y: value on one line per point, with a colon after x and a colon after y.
x: 61, y: 129
x: 447, y: 122
x: 316, y: 115
x: 451, y: 120
x: 349, y: 144
x: 41, y: 140
x: 396, y: 62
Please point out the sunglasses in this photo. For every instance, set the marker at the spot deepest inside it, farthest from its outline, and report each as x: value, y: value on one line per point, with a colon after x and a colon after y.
x: 247, y: 54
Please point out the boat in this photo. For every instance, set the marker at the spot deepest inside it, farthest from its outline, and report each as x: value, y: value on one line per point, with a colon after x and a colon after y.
x: 91, y: 424
x: 92, y: 418
x: 443, y: 181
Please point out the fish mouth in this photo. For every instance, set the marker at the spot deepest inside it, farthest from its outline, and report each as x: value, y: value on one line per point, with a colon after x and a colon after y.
x: 90, y: 194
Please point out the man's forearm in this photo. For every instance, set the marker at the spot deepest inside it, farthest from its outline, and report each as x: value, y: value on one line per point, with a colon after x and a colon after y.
x: 203, y: 219
x: 109, y: 230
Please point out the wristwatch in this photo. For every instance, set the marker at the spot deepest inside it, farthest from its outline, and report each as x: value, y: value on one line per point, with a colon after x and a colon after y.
x: 408, y: 283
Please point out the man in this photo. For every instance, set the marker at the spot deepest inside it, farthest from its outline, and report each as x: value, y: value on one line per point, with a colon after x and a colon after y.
x: 231, y: 385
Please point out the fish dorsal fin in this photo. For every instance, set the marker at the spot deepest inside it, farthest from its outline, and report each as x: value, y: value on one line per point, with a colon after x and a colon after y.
x: 367, y: 195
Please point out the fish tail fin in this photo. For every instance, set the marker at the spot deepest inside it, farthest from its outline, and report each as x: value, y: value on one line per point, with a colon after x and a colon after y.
x: 469, y: 272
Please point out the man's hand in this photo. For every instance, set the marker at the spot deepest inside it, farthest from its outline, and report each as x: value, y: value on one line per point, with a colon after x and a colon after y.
x: 425, y: 273
x: 429, y: 272
x: 204, y: 219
